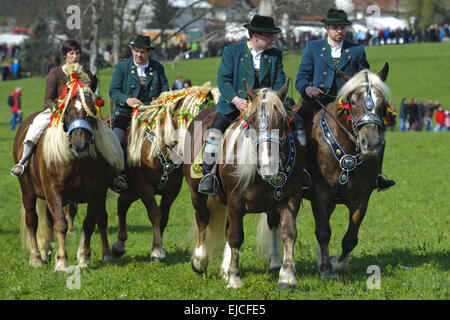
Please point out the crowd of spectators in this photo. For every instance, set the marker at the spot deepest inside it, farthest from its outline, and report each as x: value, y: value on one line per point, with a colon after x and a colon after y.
x: 415, y: 115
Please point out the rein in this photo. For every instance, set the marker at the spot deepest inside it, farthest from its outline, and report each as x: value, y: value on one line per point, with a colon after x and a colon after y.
x: 350, y: 135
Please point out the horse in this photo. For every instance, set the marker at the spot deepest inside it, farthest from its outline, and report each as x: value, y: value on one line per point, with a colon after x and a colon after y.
x: 75, y: 161
x: 259, y: 171
x: 344, y: 161
x: 154, y: 133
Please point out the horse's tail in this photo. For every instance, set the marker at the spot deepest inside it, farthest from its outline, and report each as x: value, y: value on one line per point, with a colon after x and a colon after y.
x: 215, y: 231
x: 44, y: 232
x: 264, y: 236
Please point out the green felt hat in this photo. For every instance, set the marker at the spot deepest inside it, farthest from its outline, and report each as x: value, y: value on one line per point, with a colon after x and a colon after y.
x: 142, y: 42
x: 336, y: 17
x: 262, y: 24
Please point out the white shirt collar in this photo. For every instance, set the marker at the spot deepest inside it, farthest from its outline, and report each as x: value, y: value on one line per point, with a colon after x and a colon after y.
x: 256, y: 56
x: 336, y: 51
x: 141, y: 69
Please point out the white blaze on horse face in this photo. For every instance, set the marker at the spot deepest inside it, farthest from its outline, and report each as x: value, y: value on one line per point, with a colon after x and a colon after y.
x: 78, y: 105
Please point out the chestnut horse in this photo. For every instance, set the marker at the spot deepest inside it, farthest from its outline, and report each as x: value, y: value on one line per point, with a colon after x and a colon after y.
x: 344, y: 161
x: 75, y: 161
x: 259, y: 171
x: 154, y: 133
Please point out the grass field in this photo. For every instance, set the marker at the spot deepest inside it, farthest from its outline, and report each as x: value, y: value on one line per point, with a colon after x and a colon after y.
x: 405, y: 232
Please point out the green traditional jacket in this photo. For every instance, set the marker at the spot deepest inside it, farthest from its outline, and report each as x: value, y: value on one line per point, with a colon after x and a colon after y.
x: 237, y: 65
x: 125, y: 83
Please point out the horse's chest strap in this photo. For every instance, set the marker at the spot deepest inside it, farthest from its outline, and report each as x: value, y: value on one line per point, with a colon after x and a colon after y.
x: 347, y: 162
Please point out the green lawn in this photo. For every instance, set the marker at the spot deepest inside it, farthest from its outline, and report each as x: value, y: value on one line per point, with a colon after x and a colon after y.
x: 405, y: 232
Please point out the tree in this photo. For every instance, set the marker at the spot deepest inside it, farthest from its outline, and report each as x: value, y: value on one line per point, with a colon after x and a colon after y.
x: 36, y: 49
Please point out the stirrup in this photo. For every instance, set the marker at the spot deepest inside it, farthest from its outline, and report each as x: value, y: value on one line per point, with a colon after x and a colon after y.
x: 17, y: 167
x: 210, y: 191
x: 390, y: 183
x: 119, y: 184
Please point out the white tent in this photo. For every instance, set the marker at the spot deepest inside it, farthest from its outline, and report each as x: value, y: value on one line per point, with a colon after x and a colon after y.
x: 386, y: 22
x: 13, y: 38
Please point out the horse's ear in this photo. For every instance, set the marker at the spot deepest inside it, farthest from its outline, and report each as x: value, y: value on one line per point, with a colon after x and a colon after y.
x: 344, y: 75
x: 282, y: 93
x: 93, y: 78
x: 249, y: 91
x: 384, y: 72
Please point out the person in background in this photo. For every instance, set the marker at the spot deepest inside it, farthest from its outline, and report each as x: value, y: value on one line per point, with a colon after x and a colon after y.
x: 178, y: 83
x: 420, y: 115
x: 429, y: 112
x: 439, y: 116
x: 16, y: 109
x: 403, y: 115
x: 187, y: 84
x: 412, y: 112
x: 447, y: 120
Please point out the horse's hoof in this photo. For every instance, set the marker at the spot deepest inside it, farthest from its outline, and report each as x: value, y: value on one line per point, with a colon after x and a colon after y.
x: 274, y: 269
x: 284, y: 286
x: 158, y: 255
x: 83, y: 264
x: 156, y: 259
x: 338, y: 266
x: 117, y: 250
x: 61, y: 266
x: 234, y: 283
x: 196, y: 268
x: 36, y: 263
x: 329, y: 275
x: 107, y: 257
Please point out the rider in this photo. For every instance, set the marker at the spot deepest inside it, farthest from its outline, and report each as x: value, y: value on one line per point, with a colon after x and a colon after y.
x: 137, y: 80
x: 70, y: 50
x: 317, y: 77
x: 260, y: 65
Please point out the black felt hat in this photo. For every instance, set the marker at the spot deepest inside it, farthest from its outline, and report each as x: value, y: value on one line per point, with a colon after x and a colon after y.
x: 142, y: 42
x: 336, y: 17
x: 262, y: 24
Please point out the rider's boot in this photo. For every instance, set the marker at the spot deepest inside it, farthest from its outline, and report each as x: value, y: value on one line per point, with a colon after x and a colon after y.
x: 209, y: 183
x: 19, y: 168
x: 383, y: 182
x: 300, y: 135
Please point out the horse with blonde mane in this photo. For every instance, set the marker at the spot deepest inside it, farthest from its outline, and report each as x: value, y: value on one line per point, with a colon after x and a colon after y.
x: 259, y: 171
x: 154, y: 160
x: 344, y: 161
x: 75, y: 161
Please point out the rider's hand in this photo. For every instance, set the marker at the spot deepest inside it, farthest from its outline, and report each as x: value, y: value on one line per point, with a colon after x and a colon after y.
x: 313, y: 92
x: 133, y: 101
x: 240, y: 103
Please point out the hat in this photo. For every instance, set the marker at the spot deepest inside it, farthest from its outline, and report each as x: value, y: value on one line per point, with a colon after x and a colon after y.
x: 336, y: 17
x: 262, y: 24
x: 142, y: 42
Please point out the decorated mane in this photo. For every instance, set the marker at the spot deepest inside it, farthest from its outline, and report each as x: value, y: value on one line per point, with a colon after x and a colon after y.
x: 56, y: 144
x: 157, y: 121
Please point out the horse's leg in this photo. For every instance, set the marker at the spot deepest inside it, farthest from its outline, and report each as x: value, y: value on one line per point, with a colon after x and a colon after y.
x: 350, y: 240
x: 323, y: 234
x: 199, y: 260
x: 31, y: 222
x: 288, y: 215
x: 154, y: 215
x: 84, y: 250
x: 54, y: 204
x: 165, y: 205
x: 235, y: 238
x: 123, y: 204
x: 102, y: 223
x: 70, y: 212
x: 273, y: 220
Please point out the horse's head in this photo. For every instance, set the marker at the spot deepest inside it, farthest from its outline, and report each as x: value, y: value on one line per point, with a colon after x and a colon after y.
x: 269, y: 120
x: 367, y: 94
x: 80, y: 115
